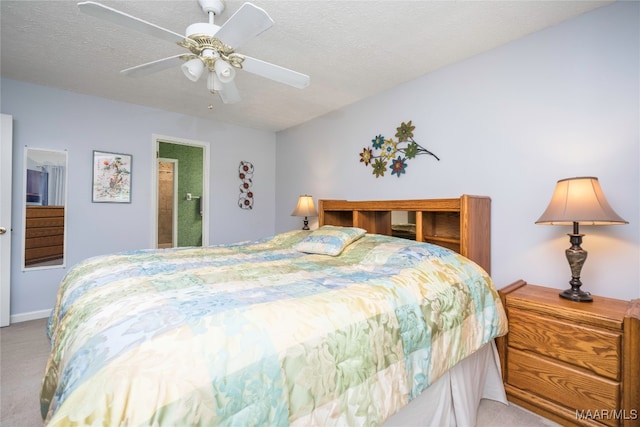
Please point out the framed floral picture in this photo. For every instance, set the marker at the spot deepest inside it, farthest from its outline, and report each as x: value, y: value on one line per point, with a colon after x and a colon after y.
x: 111, y: 177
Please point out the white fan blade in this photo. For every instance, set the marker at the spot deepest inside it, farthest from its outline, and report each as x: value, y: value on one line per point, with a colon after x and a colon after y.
x: 275, y: 72
x: 109, y: 14
x: 229, y: 93
x: 154, y: 66
x: 245, y: 24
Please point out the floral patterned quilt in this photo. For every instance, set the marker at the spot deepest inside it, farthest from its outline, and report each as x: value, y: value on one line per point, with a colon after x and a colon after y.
x: 259, y: 333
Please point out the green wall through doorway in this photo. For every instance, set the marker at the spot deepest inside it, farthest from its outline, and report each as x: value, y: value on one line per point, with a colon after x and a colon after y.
x: 190, y: 177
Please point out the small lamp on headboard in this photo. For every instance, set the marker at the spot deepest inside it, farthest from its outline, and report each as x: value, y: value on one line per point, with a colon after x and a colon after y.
x: 577, y: 201
x: 305, y: 208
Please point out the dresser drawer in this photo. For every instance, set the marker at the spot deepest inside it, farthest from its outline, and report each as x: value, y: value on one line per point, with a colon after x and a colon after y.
x: 569, y: 387
x: 591, y: 348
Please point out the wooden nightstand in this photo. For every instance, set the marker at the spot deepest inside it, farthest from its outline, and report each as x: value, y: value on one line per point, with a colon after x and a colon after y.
x: 576, y: 363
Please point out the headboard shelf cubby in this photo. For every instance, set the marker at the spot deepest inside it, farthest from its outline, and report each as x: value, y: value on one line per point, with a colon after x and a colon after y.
x: 462, y: 224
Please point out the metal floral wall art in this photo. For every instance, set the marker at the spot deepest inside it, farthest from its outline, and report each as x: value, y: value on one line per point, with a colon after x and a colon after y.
x: 245, y: 173
x: 387, y: 153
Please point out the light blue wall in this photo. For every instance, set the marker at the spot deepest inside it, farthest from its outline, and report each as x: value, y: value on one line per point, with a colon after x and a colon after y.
x: 50, y: 118
x: 509, y: 123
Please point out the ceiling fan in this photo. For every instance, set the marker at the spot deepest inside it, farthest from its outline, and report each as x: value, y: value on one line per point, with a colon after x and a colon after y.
x: 212, y: 48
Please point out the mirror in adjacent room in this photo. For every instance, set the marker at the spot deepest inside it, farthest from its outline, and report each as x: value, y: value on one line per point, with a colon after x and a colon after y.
x: 44, y: 219
x: 403, y: 224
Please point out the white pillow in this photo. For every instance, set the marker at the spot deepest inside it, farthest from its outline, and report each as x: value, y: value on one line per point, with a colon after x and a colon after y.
x: 329, y: 240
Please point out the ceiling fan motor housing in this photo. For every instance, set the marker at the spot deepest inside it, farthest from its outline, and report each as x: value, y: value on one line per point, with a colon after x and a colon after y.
x: 205, y: 45
x: 201, y: 29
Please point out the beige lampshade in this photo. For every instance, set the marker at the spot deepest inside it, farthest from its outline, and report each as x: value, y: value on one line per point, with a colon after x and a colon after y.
x: 305, y: 207
x: 579, y: 200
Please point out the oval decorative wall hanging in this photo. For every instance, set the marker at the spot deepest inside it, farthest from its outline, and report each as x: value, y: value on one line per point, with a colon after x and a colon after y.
x: 394, y: 152
x: 245, y: 173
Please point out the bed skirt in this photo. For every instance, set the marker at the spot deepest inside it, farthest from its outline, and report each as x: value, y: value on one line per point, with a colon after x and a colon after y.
x: 454, y: 398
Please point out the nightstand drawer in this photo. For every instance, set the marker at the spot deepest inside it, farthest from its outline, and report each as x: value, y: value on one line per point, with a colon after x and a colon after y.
x: 569, y: 387
x: 586, y: 347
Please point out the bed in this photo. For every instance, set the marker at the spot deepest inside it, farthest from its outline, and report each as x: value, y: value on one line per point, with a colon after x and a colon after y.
x: 334, y: 326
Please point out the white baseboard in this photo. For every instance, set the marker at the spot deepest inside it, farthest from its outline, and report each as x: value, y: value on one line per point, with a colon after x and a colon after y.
x: 32, y: 315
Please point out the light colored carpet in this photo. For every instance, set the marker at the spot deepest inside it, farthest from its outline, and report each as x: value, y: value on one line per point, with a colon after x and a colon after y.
x: 24, y: 348
x: 24, y: 352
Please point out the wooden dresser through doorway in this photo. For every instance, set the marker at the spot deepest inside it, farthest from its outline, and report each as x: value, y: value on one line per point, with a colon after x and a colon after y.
x: 44, y: 234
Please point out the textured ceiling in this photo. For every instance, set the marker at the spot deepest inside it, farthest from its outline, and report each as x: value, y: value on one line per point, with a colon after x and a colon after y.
x: 350, y: 49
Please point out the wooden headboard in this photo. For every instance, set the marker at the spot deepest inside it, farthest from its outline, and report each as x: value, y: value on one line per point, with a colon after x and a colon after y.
x: 462, y: 224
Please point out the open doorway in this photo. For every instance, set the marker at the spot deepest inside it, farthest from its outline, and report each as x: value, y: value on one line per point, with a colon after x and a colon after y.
x: 181, y: 215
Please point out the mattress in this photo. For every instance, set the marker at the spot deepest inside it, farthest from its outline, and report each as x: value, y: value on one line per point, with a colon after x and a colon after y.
x: 270, y: 332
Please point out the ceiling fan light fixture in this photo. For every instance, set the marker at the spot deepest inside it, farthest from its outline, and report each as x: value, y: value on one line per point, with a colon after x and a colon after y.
x: 225, y: 72
x: 193, y: 69
x: 213, y: 82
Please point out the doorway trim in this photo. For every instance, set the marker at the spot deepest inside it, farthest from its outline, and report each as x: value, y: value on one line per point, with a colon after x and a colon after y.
x: 155, y: 141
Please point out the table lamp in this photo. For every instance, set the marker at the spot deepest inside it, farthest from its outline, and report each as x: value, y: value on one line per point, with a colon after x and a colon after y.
x: 305, y: 208
x: 576, y: 201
